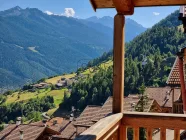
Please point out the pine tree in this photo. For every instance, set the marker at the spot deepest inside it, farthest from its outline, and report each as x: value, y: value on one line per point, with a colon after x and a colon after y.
x: 141, y: 108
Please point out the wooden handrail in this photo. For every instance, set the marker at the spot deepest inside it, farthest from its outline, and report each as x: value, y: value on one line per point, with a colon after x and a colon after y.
x: 154, y: 120
x: 103, y: 129
x: 114, y: 127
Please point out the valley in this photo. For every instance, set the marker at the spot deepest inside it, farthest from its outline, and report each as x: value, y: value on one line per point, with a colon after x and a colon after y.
x: 150, y: 54
x: 34, y: 45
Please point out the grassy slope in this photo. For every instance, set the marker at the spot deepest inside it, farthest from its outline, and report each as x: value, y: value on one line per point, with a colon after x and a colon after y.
x: 86, y: 72
x: 57, y: 94
x: 55, y: 79
x: 25, y: 96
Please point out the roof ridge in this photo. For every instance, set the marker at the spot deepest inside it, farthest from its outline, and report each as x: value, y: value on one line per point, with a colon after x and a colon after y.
x: 93, y: 106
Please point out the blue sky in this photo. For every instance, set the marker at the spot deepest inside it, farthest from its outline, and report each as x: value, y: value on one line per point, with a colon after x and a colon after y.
x: 82, y: 9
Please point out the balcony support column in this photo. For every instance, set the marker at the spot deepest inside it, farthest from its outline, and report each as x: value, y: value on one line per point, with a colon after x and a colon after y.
x: 182, y: 84
x: 118, y: 64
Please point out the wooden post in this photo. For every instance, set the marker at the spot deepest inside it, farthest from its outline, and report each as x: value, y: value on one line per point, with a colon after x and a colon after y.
x: 182, y: 84
x: 118, y: 64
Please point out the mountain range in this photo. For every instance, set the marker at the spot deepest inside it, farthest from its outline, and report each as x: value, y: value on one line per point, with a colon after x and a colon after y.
x: 149, y: 58
x: 34, y: 45
x: 132, y: 28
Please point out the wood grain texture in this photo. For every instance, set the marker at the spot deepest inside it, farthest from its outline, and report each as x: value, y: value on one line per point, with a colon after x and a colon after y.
x: 138, y: 3
x: 154, y: 120
x: 123, y: 132
x: 105, y: 128
x: 136, y: 133
x: 149, y: 133
x: 125, y: 7
x: 118, y: 64
x: 176, y: 134
x: 163, y: 134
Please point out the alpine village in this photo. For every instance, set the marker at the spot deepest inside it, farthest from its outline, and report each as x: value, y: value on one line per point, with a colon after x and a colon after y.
x: 129, y: 82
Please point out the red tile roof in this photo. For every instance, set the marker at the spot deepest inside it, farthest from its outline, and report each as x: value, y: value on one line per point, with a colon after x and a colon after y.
x: 163, y: 95
x: 174, y: 76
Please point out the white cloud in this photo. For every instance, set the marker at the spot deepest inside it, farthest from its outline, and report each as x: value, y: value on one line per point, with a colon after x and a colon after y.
x: 156, y: 13
x: 69, y: 12
x: 49, y: 13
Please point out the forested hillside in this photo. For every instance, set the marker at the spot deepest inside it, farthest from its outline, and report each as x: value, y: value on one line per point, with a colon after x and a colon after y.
x: 149, y: 58
x: 34, y: 45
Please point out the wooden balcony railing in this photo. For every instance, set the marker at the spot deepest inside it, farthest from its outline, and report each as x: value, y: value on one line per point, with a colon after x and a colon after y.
x: 114, y: 127
x: 178, y: 108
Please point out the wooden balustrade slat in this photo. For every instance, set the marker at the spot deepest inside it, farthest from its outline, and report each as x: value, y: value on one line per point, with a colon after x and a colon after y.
x: 136, y: 133
x: 176, y: 134
x: 123, y: 132
x: 162, y: 133
x: 102, y: 129
x: 149, y: 133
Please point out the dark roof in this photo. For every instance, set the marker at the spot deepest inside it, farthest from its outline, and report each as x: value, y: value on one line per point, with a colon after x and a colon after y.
x: 69, y: 131
x: 174, y: 76
x: 92, y: 114
x: 163, y: 95
x: 58, y: 126
x: 107, y: 107
x: 12, y: 132
x: 85, y: 119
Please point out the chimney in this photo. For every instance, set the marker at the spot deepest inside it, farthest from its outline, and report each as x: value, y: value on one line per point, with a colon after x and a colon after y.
x: 133, y: 106
x: 44, y: 122
x: 21, y: 134
x: 54, y: 122
x: 18, y: 121
x: 71, y: 117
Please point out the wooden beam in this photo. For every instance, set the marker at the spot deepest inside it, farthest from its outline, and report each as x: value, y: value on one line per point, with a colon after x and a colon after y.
x: 93, y: 4
x: 118, y: 64
x: 147, y: 3
x: 154, y: 120
x: 136, y: 3
x: 125, y: 7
